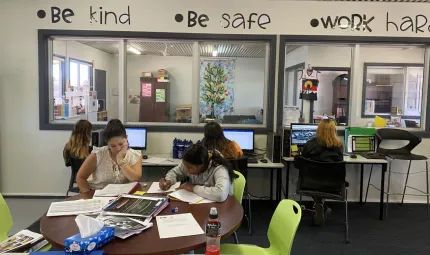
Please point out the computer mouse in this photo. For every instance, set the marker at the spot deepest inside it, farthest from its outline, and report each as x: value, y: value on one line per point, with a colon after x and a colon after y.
x: 263, y: 161
x: 145, y: 156
x: 353, y: 156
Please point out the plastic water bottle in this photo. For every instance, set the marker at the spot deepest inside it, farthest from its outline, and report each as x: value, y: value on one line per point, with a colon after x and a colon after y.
x: 213, y: 235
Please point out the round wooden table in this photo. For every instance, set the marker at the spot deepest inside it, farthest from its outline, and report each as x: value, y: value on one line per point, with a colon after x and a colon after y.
x: 56, y: 229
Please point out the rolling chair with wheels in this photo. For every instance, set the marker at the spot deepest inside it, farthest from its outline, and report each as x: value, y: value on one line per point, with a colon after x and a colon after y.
x: 282, y: 229
x: 75, y: 164
x: 238, y: 189
x: 241, y: 165
x: 403, y: 153
x: 6, y: 223
x: 325, y: 180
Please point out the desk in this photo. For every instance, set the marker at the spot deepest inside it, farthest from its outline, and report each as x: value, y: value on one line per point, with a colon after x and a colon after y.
x: 351, y: 161
x: 56, y: 229
x: 171, y: 162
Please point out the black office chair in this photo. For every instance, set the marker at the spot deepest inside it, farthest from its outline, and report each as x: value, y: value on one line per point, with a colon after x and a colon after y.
x: 323, y: 179
x: 403, y: 153
x: 75, y: 164
x: 241, y: 165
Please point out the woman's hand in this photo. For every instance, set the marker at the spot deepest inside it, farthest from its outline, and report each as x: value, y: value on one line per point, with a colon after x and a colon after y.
x: 187, y: 186
x: 164, y: 184
x: 121, y: 154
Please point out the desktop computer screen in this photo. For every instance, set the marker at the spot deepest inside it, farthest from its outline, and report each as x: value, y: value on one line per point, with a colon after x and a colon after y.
x: 136, y: 137
x: 300, y: 134
x: 243, y: 137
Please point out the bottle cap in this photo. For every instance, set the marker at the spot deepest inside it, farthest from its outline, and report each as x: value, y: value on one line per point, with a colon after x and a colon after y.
x: 213, y: 213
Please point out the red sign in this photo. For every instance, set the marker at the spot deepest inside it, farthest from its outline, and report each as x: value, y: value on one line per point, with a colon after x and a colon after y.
x: 146, y: 89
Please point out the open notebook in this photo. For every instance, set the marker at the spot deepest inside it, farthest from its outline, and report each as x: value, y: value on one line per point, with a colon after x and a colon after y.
x: 189, y: 197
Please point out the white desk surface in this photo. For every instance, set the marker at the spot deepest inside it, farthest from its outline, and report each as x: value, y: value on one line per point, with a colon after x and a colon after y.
x: 174, y: 162
x: 359, y: 160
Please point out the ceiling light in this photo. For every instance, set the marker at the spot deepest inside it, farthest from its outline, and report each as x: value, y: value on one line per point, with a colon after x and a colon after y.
x: 214, y: 53
x: 134, y: 50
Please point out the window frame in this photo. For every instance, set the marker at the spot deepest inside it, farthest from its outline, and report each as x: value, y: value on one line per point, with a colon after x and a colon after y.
x: 424, y: 131
x: 63, y: 71
x: 91, y: 70
x: 45, y: 51
x: 377, y: 64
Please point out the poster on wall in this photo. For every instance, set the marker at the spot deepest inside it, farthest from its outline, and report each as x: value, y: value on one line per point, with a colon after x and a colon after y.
x: 160, y: 95
x: 217, y: 78
x: 146, y: 89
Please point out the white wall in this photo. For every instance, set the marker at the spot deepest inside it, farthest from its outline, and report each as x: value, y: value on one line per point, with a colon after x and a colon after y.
x: 249, y: 82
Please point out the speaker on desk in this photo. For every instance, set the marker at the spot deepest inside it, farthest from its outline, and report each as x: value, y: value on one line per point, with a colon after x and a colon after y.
x: 97, y: 138
x: 286, y: 142
x: 274, y: 151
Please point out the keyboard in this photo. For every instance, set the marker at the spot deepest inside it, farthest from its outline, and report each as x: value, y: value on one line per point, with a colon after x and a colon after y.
x: 373, y: 155
x: 252, y: 161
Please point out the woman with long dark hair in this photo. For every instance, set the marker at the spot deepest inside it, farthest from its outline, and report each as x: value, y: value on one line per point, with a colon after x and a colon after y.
x: 215, y: 140
x: 114, y: 163
x: 210, y: 175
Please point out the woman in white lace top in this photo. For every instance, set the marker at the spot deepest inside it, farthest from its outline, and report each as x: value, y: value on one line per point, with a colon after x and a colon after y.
x: 114, y: 163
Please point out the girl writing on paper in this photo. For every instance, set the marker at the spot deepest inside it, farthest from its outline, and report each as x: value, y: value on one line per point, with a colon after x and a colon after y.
x: 78, y: 145
x: 215, y: 140
x: 326, y: 147
x: 210, y: 174
x: 111, y: 164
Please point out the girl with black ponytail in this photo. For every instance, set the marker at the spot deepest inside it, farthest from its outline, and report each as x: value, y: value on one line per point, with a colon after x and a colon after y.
x: 210, y: 174
x: 114, y: 163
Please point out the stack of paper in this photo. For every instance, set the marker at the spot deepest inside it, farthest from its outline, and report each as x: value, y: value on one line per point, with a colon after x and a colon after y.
x: 19, y: 241
x: 186, y: 196
x: 76, y: 207
x: 125, y: 226
x: 155, y: 188
x: 178, y: 225
x: 113, y: 190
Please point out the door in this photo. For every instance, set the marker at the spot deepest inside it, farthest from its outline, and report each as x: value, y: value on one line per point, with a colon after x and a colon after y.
x: 100, y: 86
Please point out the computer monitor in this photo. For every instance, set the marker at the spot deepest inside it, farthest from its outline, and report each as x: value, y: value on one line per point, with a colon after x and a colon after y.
x: 300, y: 134
x: 243, y: 137
x: 136, y: 137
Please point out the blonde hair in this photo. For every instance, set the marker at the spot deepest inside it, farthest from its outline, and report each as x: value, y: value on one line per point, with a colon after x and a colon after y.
x: 327, y: 134
x: 77, y: 146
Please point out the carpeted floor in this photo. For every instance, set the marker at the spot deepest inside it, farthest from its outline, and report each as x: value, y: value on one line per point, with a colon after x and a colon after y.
x: 406, y: 231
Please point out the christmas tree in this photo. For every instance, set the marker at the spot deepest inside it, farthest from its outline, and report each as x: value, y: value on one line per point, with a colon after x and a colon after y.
x: 214, y: 90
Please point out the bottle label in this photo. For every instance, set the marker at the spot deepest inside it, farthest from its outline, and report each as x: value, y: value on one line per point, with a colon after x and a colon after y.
x: 212, y: 229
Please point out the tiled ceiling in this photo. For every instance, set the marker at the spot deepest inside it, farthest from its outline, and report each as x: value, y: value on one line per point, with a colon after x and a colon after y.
x: 236, y: 50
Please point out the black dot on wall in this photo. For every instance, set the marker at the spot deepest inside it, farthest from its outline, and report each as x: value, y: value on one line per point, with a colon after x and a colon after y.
x: 179, y: 17
x: 41, y: 14
x: 314, y: 22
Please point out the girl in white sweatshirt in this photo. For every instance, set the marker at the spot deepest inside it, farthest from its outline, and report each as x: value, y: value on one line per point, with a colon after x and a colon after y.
x: 209, y: 174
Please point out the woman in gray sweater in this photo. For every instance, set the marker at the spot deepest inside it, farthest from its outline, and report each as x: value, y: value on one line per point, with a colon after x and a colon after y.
x: 208, y: 174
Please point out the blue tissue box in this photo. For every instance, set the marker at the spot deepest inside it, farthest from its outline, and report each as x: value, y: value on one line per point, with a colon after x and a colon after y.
x: 78, y: 245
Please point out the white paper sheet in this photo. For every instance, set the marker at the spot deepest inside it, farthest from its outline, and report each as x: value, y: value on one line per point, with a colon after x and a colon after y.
x: 186, y: 196
x: 204, y: 201
x: 155, y: 188
x: 178, y: 225
x: 154, y: 160
x: 75, y: 207
x: 105, y: 200
x: 113, y: 190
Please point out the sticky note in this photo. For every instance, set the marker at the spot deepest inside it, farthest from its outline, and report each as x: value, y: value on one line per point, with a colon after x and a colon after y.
x: 139, y: 192
x: 294, y: 148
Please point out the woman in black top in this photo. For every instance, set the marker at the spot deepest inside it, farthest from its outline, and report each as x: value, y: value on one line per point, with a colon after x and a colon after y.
x: 325, y: 147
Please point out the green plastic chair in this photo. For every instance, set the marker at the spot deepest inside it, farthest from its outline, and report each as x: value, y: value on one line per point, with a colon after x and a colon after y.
x: 238, y: 189
x: 6, y: 223
x: 282, y: 230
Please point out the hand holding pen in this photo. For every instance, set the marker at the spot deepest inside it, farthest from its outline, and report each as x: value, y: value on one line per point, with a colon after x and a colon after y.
x: 164, y: 184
